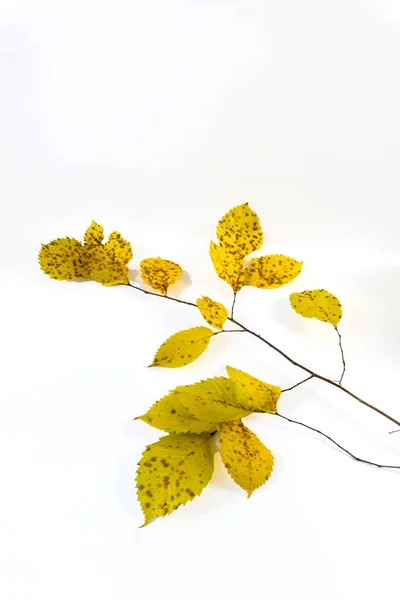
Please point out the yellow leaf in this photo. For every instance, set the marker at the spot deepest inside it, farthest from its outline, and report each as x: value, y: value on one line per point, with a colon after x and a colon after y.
x: 317, y: 304
x: 239, y: 231
x: 183, y: 347
x: 227, y: 266
x: 103, y: 269
x: 118, y: 249
x: 173, y: 471
x: 159, y: 273
x: 262, y: 396
x: 63, y: 259
x: 214, y: 400
x: 169, y: 414
x: 213, y: 312
x: 94, y: 235
x: 271, y: 271
x: 247, y: 460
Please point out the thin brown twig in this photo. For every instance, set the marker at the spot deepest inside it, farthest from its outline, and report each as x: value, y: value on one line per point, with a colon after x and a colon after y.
x: 297, y: 384
x: 342, y: 353
x: 233, y: 304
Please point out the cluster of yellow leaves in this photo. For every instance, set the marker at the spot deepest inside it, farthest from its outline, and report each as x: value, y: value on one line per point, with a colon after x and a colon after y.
x: 239, y: 233
x: 67, y: 258
x: 317, y: 304
x: 178, y: 467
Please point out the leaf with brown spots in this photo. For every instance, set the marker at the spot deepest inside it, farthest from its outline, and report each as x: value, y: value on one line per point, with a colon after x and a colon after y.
x: 271, y: 271
x: 317, y: 304
x: 213, y: 312
x: 159, y: 273
x: 118, y: 249
x: 247, y: 460
x: 183, y: 347
x: 239, y: 231
x: 63, y: 259
x: 173, y: 471
x: 94, y: 235
x: 103, y: 269
x: 170, y: 415
x: 263, y: 396
x: 227, y: 266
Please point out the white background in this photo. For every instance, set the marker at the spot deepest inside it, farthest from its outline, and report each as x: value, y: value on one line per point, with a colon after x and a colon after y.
x: 155, y: 118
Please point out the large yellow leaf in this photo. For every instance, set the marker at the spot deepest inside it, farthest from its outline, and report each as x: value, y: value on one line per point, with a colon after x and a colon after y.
x: 214, y: 400
x: 169, y: 414
x: 159, y: 273
x: 271, y: 271
x: 94, y: 235
x: 228, y: 267
x: 317, y: 304
x: 63, y: 259
x: 173, y: 471
x: 103, y: 269
x: 239, y: 231
x: 262, y: 396
x: 118, y: 249
x: 213, y: 312
x: 183, y: 347
x: 247, y: 460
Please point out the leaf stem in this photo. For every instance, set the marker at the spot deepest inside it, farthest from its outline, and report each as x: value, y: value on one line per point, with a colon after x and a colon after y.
x: 233, y: 304
x: 342, y: 353
x: 297, y: 384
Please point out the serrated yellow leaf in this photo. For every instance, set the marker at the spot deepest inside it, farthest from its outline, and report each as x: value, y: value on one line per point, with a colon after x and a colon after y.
x: 227, y: 266
x: 103, y: 269
x: 169, y: 414
x: 262, y: 396
x: 239, y: 231
x: 213, y: 312
x: 159, y: 273
x: 94, y: 235
x: 173, y: 471
x: 317, y: 304
x: 63, y: 259
x: 271, y: 271
x: 118, y: 249
x: 214, y: 400
x: 183, y: 347
x: 247, y: 460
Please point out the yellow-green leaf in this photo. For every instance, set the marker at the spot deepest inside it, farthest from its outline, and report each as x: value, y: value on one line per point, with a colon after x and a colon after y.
x: 239, y: 231
x: 247, y: 460
x: 227, y: 266
x: 94, y: 235
x: 169, y: 414
x: 213, y: 312
x: 173, y: 471
x: 63, y: 259
x: 118, y: 249
x: 159, y: 273
x: 317, y: 304
x: 183, y: 347
x: 103, y: 269
x: 271, y: 271
x: 214, y: 400
x: 262, y: 396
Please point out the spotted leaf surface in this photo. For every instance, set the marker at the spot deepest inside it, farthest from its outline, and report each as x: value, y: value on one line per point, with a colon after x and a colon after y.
x: 103, y: 269
x: 271, y: 271
x: 239, y: 231
x: 228, y: 267
x: 317, y: 304
x: 213, y: 312
x: 261, y: 396
x: 63, y: 258
x: 173, y: 471
x: 94, y: 235
x: 118, y: 249
x: 245, y: 457
x: 170, y: 415
x: 159, y: 273
x: 183, y: 347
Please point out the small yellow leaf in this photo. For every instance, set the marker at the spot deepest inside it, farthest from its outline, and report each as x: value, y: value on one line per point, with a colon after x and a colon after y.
x: 159, y: 273
x: 94, y: 235
x: 63, y: 259
x: 183, y: 347
x: 271, y: 271
x: 118, y: 249
x: 169, y: 414
x: 173, y: 471
x: 317, y: 304
x: 247, y: 460
x: 213, y: 312
x: 227, y: 266
x: 239, y: 231
x: 262, y: 396
x: 214, y: 400
x: 103, y: 269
